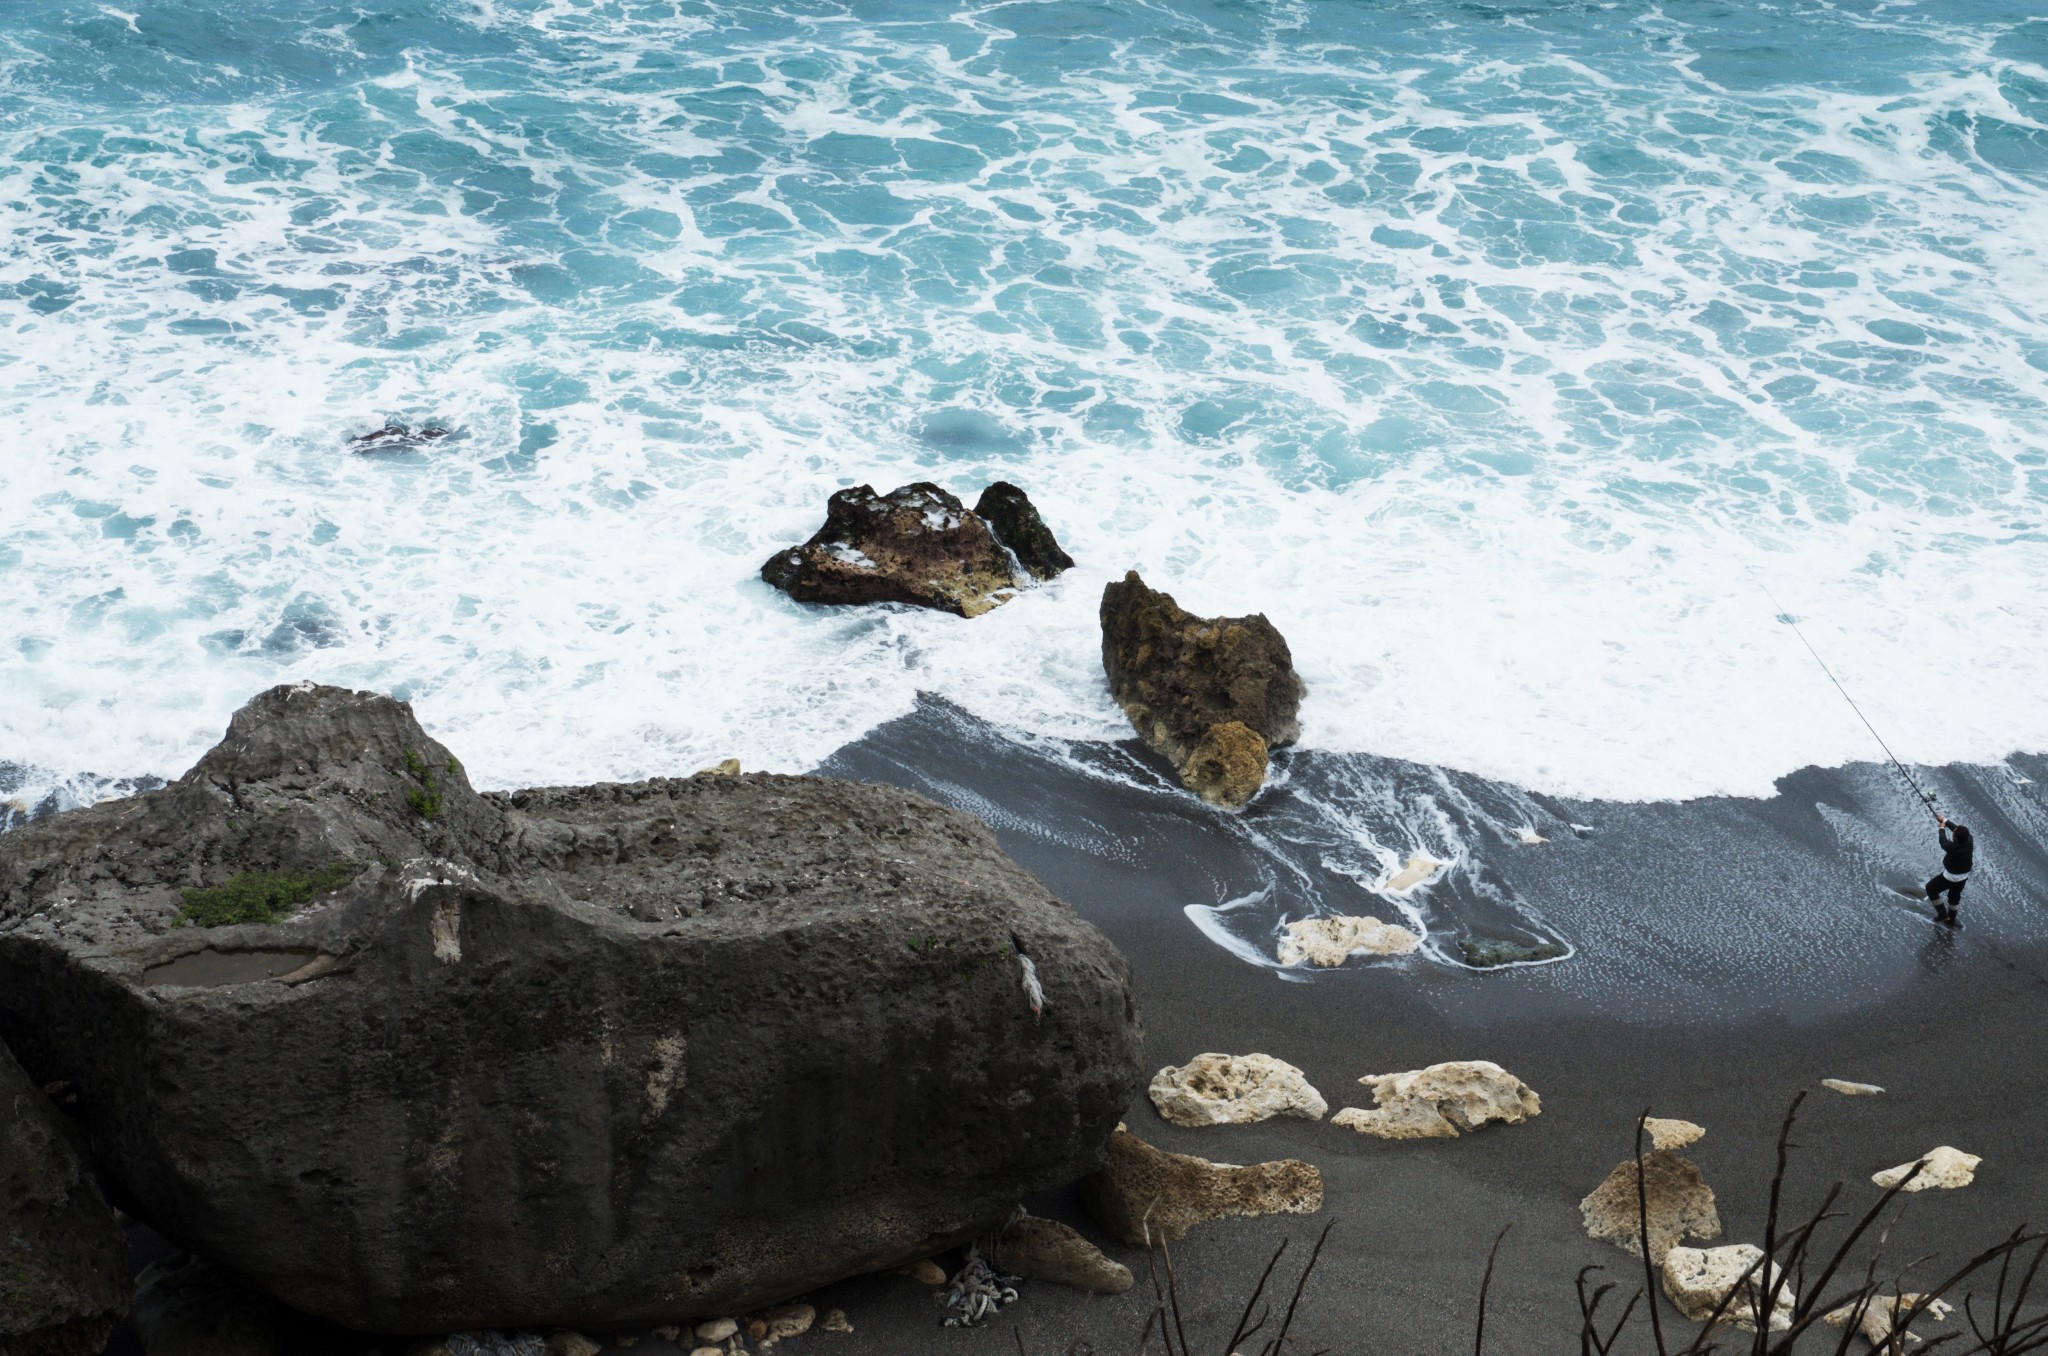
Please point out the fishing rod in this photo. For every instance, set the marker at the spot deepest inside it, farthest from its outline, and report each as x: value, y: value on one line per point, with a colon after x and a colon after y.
x: 1926, y: 797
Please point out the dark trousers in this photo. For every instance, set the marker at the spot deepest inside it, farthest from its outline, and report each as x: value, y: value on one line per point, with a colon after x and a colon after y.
x: 1954, y: 888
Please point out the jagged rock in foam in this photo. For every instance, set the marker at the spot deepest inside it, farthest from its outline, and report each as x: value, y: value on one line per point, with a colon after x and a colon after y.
x: 63, y: 1259
x: 1332, y: 941
x: 1015, y: 520
x: 1680, y: 1205
x: 917, y: 544
x: 1696, y: 1279
x: 1146, y: 1188
x: 1214, y: 1089
x: 573, y: 1057
x: 1441, y: 1100
x: 1184, y: 679
x: 1047, y: 1250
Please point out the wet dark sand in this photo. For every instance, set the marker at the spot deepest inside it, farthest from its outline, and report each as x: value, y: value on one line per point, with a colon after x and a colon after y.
x: 1729, y: 954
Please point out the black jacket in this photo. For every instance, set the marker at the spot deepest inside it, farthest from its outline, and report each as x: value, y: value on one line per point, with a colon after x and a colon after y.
x: 1958, y: 850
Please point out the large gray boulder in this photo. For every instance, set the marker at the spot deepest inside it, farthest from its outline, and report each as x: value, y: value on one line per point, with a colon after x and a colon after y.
x: 597, y: 1057
x: 63, y: 1260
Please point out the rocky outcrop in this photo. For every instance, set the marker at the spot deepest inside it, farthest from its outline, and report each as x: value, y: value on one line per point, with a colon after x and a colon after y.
x: 1014, y: 519
x: 1047, y: 1250
x: 1213, y: 694
x: 593, y: 1058
x: 1332, y: 941
x: 63, y: 1260
x: 1440, y: 1101
x: 1679, y: 1204
x: 1941, y: 1169
x: 917, y: 544
x: 1147, y: 1190
x: 1696, y: 1279
x: 1215, y: 1089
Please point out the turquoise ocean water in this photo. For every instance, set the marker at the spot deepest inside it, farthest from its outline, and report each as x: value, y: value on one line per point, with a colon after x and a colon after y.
x: 1482, y: 346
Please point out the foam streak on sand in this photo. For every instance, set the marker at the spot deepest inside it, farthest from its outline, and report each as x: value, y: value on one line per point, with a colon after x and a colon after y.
x: 1474, y: 353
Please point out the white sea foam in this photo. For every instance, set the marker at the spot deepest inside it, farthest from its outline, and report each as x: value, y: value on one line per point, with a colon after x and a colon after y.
x: 1483, y: 374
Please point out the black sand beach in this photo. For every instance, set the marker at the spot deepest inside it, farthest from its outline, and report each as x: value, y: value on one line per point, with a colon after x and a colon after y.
x: 1729, y: 954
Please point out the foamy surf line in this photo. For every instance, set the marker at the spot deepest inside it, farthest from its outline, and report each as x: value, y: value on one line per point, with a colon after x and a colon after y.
x: 1481, y: 359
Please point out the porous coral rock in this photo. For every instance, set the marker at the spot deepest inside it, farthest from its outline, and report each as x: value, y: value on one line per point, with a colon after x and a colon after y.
x: 1696, y: 1279
x: 1665, y: 1133
x: 1680, y: 1204
x: 1883, y: 1315
x: 835, y: 1320
x: 1217, y: 1089
x: 1332, y: 941
x: 1047, y: 1250
x: 1942, y: 1169
x: 1145, y: 1189
x: 1441, y: 1100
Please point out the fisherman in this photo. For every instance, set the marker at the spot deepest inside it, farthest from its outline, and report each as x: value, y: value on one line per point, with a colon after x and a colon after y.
x: 1958, y: 854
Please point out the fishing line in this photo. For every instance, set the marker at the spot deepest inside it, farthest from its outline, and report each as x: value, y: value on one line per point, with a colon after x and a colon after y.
x: 1926, y: 798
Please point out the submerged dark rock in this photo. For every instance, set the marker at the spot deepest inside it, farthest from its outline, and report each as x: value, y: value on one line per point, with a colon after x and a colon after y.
x: 917, y: 544
x: 395, y: 438
x: 1484, y: 953
x: 1184, y: 681
x: 63, y: 1260
x: 1015, y: 520
x: 594, y: 1057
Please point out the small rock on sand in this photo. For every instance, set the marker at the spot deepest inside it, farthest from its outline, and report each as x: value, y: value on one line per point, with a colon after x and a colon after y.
x: 1418, y: 870
x: 1332, y: 941
x: 1848, y: 1089
x: 1672, y: 1134
x: 1441, y: 1100
x: 1885, y: 1314
x: 1180, y: 1191
x: 572, y: 1344
x: 835, y: 1320
x: 1680, y: 1204
x: 1697, y: 1278
x: 716, y: 1330
x: 785, y: 1320
x: 1215, y: 1089
x: 707, y: 1351
x: 1047, y: 1250
x: 1945, y: 1169
x: 924, y: 1272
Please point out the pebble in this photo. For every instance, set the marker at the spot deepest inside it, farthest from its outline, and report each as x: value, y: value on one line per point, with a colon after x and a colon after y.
x: 835, y: 1321
x: 716, y: 1330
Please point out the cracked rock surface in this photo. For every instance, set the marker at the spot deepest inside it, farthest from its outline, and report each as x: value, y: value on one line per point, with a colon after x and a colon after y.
x: 588, y: 1057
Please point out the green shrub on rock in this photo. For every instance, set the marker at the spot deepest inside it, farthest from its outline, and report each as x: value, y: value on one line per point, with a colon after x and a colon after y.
x: 260, y: 896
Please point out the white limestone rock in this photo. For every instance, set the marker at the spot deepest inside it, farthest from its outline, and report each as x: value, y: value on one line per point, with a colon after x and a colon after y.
x: 1440, y: 1101
x: 1217, y: 1089
x: 1945, y: 1170
x: 1696, y: 1279
x: 1417, y: 870
x: 1884, y: 1315
x: 1332, y: 941
x: 1680, y: 1205
x: 1672, y: 1134
x: 1848, y: 1089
